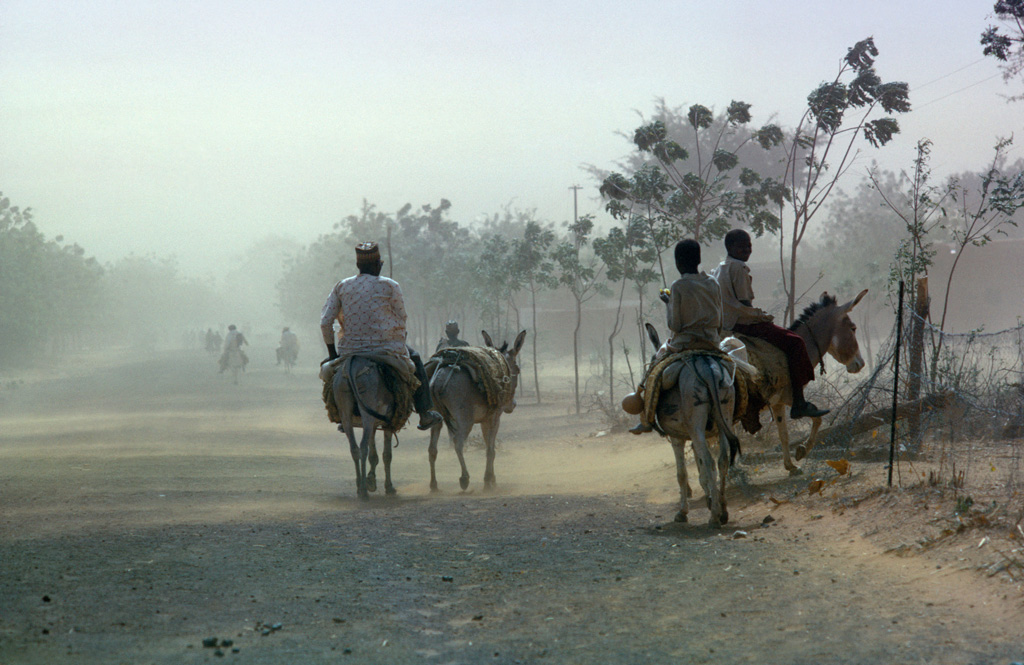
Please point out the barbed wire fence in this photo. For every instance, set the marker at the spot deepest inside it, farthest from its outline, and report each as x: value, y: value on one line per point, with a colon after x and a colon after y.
x: 970, y: 400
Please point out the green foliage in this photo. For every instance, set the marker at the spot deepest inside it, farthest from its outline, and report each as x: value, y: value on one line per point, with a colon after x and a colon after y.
x: 683, y: 178
x: 48, y: 291
x: 1006, y: 42
x: 822, y: 146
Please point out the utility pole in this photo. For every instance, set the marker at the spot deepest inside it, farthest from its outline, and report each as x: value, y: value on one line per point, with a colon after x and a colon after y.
x: 575, y: 206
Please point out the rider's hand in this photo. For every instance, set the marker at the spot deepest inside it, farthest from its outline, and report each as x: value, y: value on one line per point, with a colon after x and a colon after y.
x: 664, y: 295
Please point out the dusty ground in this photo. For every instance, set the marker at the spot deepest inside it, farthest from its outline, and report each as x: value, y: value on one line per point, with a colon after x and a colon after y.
x: 148, y: 505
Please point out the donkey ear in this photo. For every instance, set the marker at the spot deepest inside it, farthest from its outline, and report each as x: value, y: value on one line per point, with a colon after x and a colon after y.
x: 487, y: 338
x: 518, y: 344
x: 653, y: 334
x: 824, y: 294
x: 853, y: 303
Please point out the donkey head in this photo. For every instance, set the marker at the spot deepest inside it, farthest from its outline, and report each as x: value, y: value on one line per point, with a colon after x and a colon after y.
x: 511, y: 356
x: 829, y: 320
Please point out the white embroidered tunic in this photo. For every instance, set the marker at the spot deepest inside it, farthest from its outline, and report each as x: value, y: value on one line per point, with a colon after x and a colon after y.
x: 371, y: 313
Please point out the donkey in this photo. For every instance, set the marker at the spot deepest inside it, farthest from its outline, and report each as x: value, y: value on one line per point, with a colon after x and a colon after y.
x: 826, y: 328
x: 462, y: 404
x: 703, y: 394
x: 362, y: 386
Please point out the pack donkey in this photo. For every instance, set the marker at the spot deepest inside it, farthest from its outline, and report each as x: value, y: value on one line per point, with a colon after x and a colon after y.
x: 460, y: 399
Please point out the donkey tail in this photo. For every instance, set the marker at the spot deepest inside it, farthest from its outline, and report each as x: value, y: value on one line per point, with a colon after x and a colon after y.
x: 363, y: 408
x: 712, y: 382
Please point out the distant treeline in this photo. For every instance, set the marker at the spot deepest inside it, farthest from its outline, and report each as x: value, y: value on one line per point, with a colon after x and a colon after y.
x: 55, y: 298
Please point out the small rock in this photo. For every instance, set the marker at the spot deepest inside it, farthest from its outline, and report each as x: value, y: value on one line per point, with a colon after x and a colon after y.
x: 478, y: 617
x: 209, y: 642
x: 739, y: 534
x: 768, y: 519
x: 447, y: 578
x: 226, y: 643
x: 46, y: 599
x: 218, y: 653
x: 277, y: 626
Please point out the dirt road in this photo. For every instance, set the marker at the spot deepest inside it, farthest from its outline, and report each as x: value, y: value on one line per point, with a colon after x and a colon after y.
x: 148, y: 505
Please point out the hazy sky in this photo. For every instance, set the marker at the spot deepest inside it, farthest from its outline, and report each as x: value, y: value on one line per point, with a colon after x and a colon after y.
x: 194, y: 128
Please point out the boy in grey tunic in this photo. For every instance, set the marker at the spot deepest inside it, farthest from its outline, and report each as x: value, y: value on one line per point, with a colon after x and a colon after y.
x: 694, y: 311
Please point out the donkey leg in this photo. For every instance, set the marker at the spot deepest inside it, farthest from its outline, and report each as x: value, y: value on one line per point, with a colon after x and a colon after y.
x: 353, y: 447
x: 706, y: 464
x: 723, y: 473
x: 779, y: 415
x: 364, y: 453
x: 435, y: 434
x: 458, y: 437
x: 389, y: 488
x: 679, y: 449
x: 371, y: 475
x: 804, y: 449
x: 489, y: 429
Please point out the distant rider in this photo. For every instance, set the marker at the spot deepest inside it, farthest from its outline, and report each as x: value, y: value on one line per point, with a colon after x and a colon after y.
x: 288, y: 348
x: 234, y: 340
x: 451, y: 337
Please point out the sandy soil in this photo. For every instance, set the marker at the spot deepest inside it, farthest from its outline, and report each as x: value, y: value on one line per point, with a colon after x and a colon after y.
x: 148, y: 505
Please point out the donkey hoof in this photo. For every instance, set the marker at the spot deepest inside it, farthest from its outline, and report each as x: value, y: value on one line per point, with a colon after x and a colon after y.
x: 371, y: 484
x: 796, y: 471
x: 799, y: 453
x: 725, y: 517
x: 390, y: 491
x: 682, y: 517
x: 464, y: 482
x: 714, y: 523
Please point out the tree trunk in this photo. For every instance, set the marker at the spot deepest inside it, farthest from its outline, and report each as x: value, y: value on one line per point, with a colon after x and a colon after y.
x: 576, y: 354
x: 916, y: 361
x: 533, y: 349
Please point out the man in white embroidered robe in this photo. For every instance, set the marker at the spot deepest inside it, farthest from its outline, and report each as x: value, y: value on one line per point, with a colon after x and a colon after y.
x: 370, y: 311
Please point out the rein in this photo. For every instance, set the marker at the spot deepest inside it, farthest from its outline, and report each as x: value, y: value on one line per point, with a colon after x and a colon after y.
x: 821, y: 356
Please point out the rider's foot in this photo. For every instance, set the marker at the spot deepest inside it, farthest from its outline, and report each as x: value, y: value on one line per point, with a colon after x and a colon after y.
x: 641, y: 428
x: 429, y: 419
x: 806, y: 410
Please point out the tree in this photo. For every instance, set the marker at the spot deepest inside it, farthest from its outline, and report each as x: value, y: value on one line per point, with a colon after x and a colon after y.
x: 822, y: 147
x: 698, y: 192
x: 858, y: 240
x: 626, y: 254
x: 1006, y: 43
x: 42, y: 279
x: 533, y: 263
x: 581, y: 274
x: 982, y: 213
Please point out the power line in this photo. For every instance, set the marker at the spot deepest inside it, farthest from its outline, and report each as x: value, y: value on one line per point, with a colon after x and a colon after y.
x: 956, y: 92
x: 955, y: 71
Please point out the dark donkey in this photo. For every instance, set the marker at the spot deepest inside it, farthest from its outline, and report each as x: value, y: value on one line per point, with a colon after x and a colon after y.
x: 360, y: 382
x: 462, y: 403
